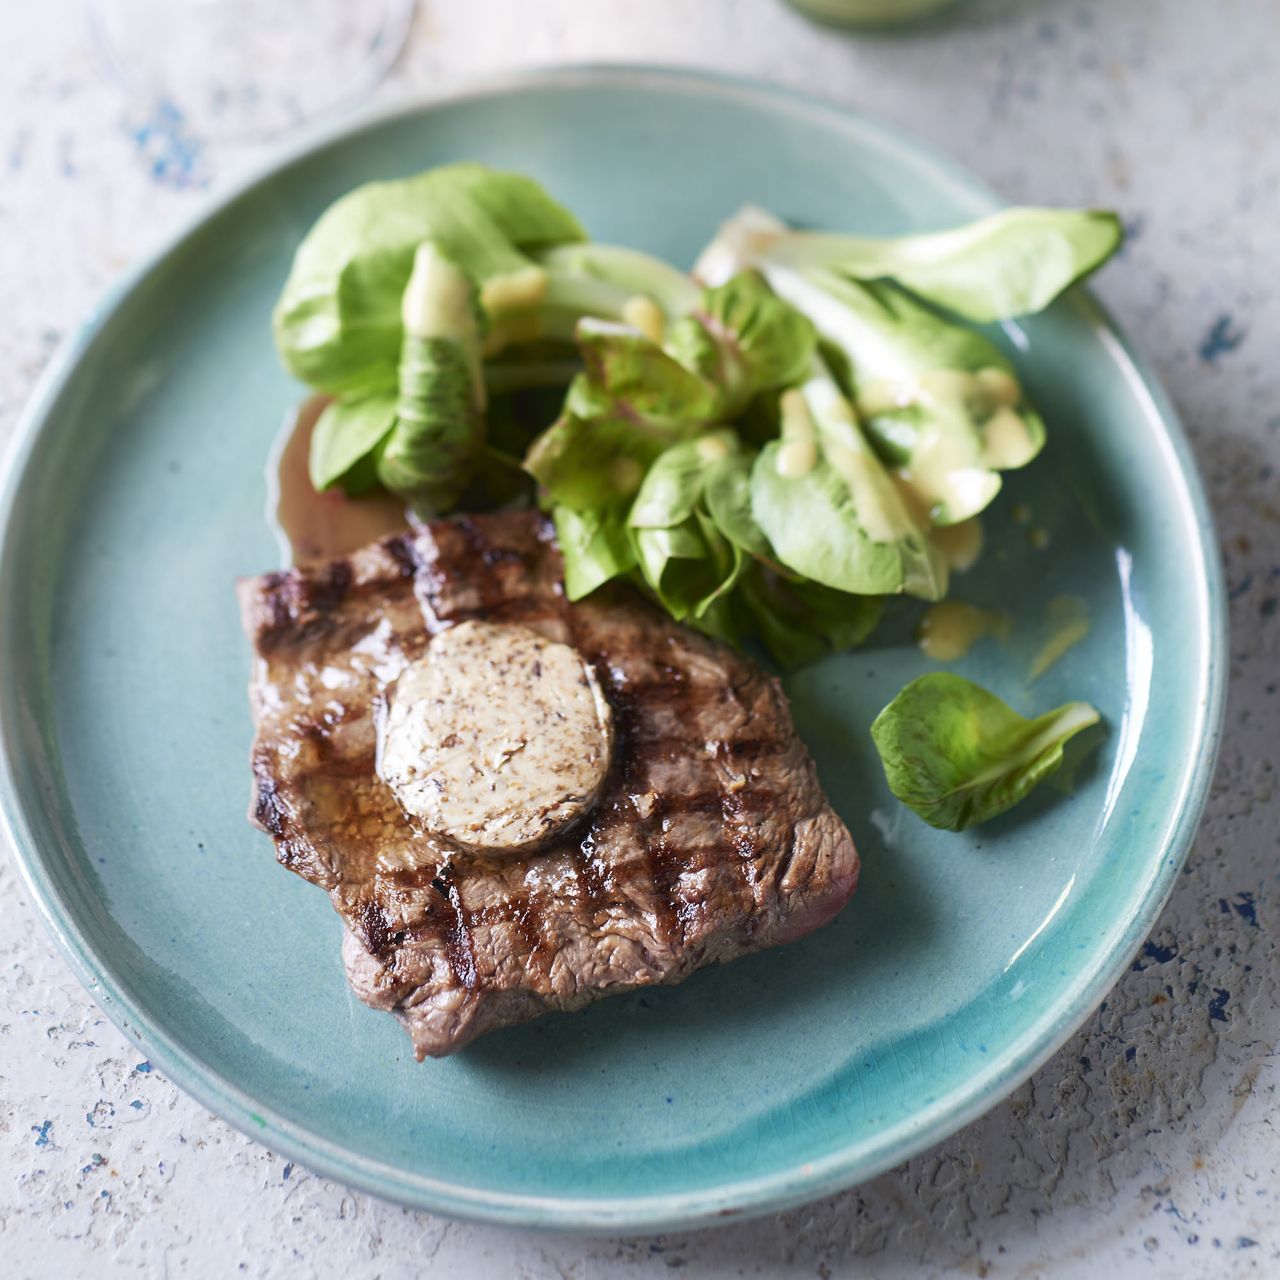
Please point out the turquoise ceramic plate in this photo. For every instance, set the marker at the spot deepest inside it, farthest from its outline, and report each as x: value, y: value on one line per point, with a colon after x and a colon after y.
x: 134, y: 499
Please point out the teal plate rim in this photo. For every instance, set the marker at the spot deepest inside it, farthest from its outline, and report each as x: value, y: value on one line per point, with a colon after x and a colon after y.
x: 807, y: 1181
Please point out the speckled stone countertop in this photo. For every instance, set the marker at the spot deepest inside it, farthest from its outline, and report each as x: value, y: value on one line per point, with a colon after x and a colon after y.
x: 1148, y: 1145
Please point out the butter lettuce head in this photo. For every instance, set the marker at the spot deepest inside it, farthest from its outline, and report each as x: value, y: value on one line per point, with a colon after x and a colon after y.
x: 338, y: 325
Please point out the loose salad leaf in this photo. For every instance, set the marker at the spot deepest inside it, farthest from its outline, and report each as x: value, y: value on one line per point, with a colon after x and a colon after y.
x: 1009, y: 264
x: 337, y: 323
x: 744, y: 339
x: 830, y: 509
x: 687, y: 561
x: 958, y: 755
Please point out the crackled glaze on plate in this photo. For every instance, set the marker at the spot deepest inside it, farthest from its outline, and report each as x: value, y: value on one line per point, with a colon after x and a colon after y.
x: 133, y: 500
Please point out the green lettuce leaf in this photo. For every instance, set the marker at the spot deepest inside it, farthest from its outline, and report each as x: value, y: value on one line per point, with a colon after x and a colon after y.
x: 958, y: 755
x: 686, y: 560
x: 800, y: 621
x: 622, y: 271
x: 596, y: 546
x: 627, y: 373
x: 829, y: 508
x: 630, y: 404
x: 1009, y: 264
x: 438, y: 439
x: 345, y: 441
x: 337, y: 323
x: 743, y: 339
x: 939, y: 400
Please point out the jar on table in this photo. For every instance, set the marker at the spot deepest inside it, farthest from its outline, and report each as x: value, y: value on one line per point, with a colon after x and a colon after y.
x: 867, y: 13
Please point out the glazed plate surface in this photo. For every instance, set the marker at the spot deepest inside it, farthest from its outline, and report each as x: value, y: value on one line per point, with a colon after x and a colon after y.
x: 134, y: 499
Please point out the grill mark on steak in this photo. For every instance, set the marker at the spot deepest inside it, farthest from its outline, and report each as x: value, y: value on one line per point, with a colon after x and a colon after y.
x: 401, y: 549
x: 459, y: 945
x: 375, y: 931
x: 711, y: 836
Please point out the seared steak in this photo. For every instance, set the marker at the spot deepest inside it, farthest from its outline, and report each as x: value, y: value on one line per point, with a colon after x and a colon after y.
x: 711, y: 836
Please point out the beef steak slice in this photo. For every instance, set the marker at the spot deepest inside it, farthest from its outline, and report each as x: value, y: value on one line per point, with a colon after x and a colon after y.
x: 711, y: 836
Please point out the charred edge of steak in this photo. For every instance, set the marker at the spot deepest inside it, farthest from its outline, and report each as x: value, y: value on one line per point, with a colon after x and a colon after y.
x: 268, y: 811
x: 303, y: 604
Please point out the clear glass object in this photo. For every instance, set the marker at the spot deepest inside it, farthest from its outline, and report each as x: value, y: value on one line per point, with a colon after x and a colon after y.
x: 248, y: 67
x: 867, y: 13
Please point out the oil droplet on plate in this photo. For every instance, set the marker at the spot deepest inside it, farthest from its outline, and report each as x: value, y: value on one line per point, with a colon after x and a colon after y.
x: 1067, y: 623
x: 949, y: 629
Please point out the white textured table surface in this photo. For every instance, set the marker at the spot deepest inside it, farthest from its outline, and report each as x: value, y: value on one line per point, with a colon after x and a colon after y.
x: 1148, y: 1145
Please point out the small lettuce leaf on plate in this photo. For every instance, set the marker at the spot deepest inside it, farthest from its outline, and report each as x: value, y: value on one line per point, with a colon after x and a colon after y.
x: 958, y: 755
x: 743, y: 339
x: 686, y: 560
x: 1011, y: 263
x: 830, y: 510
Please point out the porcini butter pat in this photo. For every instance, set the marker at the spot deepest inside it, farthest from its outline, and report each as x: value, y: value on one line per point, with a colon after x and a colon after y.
x: 496, y: 737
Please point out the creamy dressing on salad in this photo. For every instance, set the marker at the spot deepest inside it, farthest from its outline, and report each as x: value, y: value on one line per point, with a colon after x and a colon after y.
x: 643, y: 313
x: 1006, y: 442
x: 319, y: 526
x: 949, y: 629
x: 960, y: 544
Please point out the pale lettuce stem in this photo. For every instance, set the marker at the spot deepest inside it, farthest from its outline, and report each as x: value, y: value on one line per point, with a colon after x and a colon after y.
x: 627, y: 270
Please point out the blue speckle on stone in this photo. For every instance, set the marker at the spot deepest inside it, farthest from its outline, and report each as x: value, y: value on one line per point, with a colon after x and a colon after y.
x: 1156, y: 954
x: 173, y: 154
x: 288, y: 1170
x: 143, y: 1068
x: 42, y: 1133
x: 1223, y: 338
x: 136, y: 1105
x: 1245, y: 1242
x: 1218, y: 1005
x: 1241, y: 587
x: 1246, y: 909
x: 1130, y: 1053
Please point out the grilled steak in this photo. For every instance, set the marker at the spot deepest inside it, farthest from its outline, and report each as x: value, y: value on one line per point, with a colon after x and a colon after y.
x: 709, y: 838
